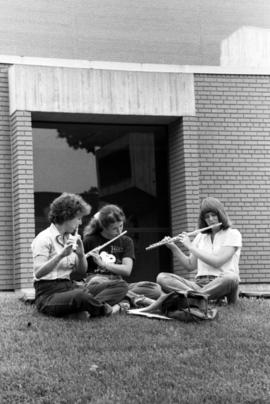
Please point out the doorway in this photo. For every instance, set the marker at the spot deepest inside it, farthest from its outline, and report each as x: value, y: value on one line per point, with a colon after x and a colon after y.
x: 122, y: 164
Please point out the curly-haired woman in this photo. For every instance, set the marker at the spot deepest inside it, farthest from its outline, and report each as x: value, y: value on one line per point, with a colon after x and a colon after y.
x: 56, y: 257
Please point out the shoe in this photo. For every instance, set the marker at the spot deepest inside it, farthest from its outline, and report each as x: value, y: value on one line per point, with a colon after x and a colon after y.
x: 124, y: 306
x: 108, y: 310
x: 120, y: 308
x: 142, y: 301
x: 115, y: 309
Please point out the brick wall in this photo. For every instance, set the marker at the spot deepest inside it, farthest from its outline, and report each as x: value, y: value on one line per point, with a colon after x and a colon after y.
x: 23, y: 196
x: 6, y: 239
x: 184, y: 178
x: 233, y: 116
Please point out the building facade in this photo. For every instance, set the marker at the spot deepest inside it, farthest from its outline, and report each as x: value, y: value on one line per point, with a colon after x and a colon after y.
x: 209, y: 127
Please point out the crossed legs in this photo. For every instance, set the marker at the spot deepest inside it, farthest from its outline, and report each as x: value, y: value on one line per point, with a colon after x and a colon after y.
x: 225, y: 285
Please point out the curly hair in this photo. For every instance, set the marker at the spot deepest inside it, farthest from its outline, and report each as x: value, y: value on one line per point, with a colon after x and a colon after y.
x: 211, y: 204
x: 106, y: 216
x: 67, y: 207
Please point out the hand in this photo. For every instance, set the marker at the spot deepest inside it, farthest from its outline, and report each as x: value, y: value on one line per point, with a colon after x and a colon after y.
x: 67, y: 249
x: 185, y: 240
x: 79, y: 246
x: 97, y: 258
x: 168, y: 242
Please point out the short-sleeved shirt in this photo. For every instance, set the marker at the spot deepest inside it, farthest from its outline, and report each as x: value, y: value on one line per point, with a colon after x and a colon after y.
x: 48, y: 244
x: 223, y: 238
x: 122, y: 247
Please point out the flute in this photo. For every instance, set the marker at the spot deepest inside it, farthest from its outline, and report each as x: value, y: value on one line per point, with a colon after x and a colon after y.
x: 73, y: 238
x: 97, y: 249
x: 175, y: 238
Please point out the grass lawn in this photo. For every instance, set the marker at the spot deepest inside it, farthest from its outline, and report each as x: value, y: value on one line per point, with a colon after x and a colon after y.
x: 127, y: 360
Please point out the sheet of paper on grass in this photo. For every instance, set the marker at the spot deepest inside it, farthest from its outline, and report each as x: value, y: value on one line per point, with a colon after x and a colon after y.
x: 137, y: 312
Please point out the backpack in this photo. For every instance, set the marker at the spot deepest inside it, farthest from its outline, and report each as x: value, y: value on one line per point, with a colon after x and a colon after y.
x: 186, y: 306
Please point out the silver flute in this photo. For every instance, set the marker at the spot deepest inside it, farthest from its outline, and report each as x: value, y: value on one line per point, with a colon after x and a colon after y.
x: 175, y: 238
x: 97, y: 249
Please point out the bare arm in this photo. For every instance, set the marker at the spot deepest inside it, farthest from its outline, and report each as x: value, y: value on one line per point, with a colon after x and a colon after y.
x: 189, y: 262
x: 123, y: 269
x: 43, y: 267
x: 216, y: 260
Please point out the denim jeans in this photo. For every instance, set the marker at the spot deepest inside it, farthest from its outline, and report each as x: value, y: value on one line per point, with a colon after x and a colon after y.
x: 145, y: 288
x: 225, y: 285
x: 107, y: 290
x: 112, y: 289
x: 62, y: 297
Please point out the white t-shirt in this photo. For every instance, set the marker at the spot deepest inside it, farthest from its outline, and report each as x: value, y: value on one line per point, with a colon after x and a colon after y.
x: 224, y: 238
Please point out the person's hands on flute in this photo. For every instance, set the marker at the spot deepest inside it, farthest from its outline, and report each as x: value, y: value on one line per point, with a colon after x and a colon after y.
x: 79, y: 246
x: 67, y: 250
x: 97, y: 258
x: 168, y: 242
x: 185, y: 240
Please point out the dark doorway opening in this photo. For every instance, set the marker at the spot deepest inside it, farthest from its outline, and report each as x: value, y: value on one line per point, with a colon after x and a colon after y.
x: 109, y: 163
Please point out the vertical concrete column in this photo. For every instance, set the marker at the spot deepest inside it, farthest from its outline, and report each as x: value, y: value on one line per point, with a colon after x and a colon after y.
x: 6, y: 238
x: 23, y: 200
x: 184, y: 178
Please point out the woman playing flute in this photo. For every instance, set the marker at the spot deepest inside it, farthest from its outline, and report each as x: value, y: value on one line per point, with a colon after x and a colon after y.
x: 56, y: 259
x: 214, y: 253
x: 108, y: 267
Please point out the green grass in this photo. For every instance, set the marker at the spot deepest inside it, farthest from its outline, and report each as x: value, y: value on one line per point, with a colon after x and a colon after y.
x: 126, y: 359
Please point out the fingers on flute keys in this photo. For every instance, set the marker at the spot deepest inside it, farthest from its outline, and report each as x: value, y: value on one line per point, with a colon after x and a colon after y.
x: 168, y: 241
x: 94, y: 254
x: 183, y: 238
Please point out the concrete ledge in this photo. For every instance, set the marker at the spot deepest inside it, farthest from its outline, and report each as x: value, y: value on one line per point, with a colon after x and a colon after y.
x: 254, y: 290
x: 97, y: 91
x: 258, y: 287
x: 132, y: 67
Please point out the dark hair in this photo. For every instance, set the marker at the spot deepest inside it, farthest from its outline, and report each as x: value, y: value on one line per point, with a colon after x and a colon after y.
x: 67, y: 207
x: 211, y: 204
x: 106, y: 216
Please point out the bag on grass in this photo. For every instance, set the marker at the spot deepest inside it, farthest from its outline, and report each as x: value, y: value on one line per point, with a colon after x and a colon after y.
x: 187, y: 306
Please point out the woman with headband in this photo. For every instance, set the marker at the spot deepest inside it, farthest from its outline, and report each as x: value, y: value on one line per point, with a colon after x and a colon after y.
x: 108, y: 266
x: 214, y: 253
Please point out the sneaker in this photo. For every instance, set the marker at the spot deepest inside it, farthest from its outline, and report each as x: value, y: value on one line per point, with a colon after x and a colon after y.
x: 120, y: 308
x: 143, y: 301
x: 124, y: 306
x: 108, y: 310
x: 115, y: 309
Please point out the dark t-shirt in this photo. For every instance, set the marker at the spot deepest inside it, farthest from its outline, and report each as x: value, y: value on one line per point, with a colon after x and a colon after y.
x: 121, y: 248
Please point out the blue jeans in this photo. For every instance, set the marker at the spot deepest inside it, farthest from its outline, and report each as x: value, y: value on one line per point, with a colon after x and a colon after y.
x: 225, y: 285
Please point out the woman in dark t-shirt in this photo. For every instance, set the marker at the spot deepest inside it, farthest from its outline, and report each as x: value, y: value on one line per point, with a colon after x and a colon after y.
x: 121, y: 248
x: 108, y: 266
